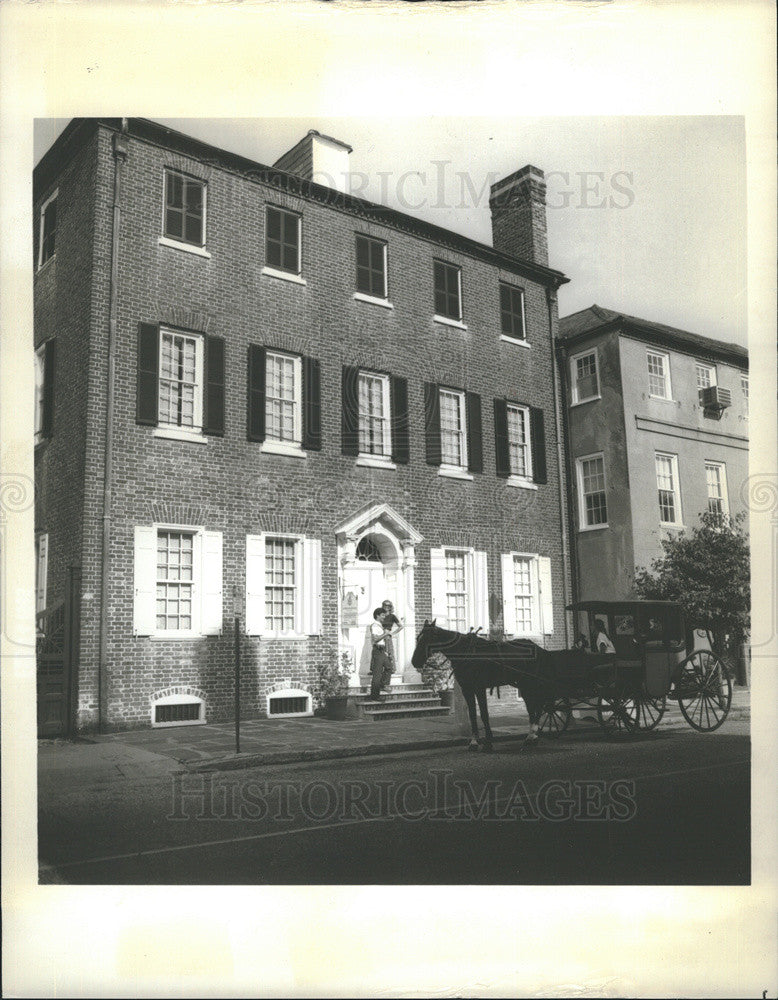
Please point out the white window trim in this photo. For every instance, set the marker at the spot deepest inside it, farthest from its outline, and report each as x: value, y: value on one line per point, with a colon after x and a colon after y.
x: 575, y: 400
x: 169, y: 241
x: 179, y: 434
x: 41, y: 570
x: 713, y: 377
x: 447, y: 468
x: 297, y: 632
x: 514, y: 479
x: 535, y: 630
x: 362, y: 297
x: 445, y: 321
x: 184, y: 433
x: 375, y: 462
x: 276, y: 272
x: 722, y: 467
x: 582, y: 525
x: 274, y: 445
x: 368, y: 458
x: 40, y: 381
x: 44, y: 206
x: 744, y: 392
x: 668, y: 383
x: 512, y: 340
x: 678, y: 523
x: 470, y: 609
x: 197, y: 584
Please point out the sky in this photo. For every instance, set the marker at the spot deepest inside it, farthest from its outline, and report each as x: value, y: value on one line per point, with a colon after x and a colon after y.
x: 646, y: 215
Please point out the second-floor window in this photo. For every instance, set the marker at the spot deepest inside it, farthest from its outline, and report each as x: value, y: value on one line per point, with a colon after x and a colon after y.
x: 448, y: 290
x: 283, y: 398
x: 375, y: 436
x: 668, y: 488
x: 47, y: 237
x: 453, y: 429
x: 519, y: 454
x: 716, y: 481
x: 706, y: 377
x: 181, y: 381
x: 44, y: 389
x: 658, y: 375
x: 591, y: 490
x: 744, y: 390
x: 371, y: 267
x: 184, y: 208
x: 585, y: 377
x: 283, y: 240
x: 513, y: 318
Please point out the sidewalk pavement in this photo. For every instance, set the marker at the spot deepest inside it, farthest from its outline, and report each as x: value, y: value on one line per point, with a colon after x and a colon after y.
x: 145, y: 752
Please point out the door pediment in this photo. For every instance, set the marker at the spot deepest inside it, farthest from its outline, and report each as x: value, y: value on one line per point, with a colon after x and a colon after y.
x: 375, y: 514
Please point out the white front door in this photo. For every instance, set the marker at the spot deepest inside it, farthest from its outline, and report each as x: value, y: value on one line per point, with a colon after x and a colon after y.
x: 364, y: 586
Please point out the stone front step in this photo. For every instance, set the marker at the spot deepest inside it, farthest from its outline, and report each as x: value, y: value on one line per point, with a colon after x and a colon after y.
x: 399, y: 701
x: 406, y: 701
x: 402, y: 712
x: 401, y: 696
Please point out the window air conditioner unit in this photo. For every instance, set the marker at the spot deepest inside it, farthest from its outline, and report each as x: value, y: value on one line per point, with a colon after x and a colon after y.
x: 716, y: 398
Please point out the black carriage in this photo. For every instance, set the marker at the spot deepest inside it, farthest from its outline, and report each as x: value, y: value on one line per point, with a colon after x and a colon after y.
x: 653, y: 661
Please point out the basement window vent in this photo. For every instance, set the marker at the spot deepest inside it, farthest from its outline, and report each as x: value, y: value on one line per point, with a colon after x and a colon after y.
x: 289, y: 703
x: 178, y: 710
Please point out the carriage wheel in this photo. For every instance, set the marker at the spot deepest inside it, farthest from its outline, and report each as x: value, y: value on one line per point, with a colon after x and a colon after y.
x: 554, y: 719
x: 704, y: 691
x: 650, y: 711
x: 617, y: 714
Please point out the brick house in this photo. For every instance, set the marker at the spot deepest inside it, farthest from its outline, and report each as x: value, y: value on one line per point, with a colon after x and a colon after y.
x: 261, y: 398
x: 657, y: 422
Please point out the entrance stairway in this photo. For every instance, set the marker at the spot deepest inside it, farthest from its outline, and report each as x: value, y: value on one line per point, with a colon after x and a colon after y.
x: 399, y: 701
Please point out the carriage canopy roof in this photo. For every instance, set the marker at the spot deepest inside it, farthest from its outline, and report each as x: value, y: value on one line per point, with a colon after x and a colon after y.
x: 609, y: 607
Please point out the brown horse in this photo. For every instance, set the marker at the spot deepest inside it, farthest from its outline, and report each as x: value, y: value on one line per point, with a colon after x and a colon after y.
x: 479, y: 664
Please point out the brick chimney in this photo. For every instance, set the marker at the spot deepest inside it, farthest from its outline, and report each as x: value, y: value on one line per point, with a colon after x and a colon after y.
x: 518, y: 205
x: 318, y: 158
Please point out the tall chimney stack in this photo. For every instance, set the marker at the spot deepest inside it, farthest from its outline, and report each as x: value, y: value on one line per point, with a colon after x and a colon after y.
x: 518, y: 205
x: 318, y: 158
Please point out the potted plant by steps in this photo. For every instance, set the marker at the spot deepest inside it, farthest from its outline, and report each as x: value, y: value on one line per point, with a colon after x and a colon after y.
x: 437, y: 674
x: 334, y: 678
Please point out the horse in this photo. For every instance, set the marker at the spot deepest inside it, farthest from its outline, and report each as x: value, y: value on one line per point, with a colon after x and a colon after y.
x: 479, y: 663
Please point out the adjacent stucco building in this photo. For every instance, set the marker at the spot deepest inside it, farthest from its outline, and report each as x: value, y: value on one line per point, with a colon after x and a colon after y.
x: 657, y: 429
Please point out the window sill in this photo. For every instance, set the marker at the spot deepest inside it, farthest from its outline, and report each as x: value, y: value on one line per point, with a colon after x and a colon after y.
x: 174, y: 434
x: 513, y: 340
x: 165, y: 241
x: 375, y: 462
x: 593, y: 527
x: 583, y: 402
x: 672, y: 527
x: 519, y: 482
x: 447, y: 321
x: 174, y: 636
x: 279, y: 448
x: 279, y: 636
x: 373, y: 300
x: 284, y: 276
x: 451, y: 472
x: 662, y: 399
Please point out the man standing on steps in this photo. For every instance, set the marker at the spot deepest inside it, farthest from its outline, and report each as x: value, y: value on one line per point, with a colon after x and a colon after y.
x: 393, y: 625
x: 380, y: 663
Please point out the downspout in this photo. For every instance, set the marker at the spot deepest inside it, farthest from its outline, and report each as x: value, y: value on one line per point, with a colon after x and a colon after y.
x: 562, y: 367
x: 551, y: 298
x: 120, y: 147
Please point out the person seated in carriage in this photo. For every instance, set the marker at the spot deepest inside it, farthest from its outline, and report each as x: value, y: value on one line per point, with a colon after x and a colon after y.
x: 602, y: 643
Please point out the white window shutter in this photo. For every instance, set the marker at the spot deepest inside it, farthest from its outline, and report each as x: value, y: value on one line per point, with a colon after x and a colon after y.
x: 311, y: 586
x: 42, y: 573
x: 145, y: 568
x: 546, y: 595
x: 480, y: 592
x: 438, y: 586
x: 508, y: 595
x: 212, y: 583
x: 255, y: 584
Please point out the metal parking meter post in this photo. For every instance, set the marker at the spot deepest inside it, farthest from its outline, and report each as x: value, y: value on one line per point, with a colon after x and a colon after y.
x: 237, y: 684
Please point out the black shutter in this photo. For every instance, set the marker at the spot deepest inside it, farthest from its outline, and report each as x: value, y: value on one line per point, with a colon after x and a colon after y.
x: 400, y: 443
x: 475, y: 451
x: 538, y: 437
x: 432, y: 423
x: 148, y: 374
x: 349, y: 444
x: 49, y: 360
x: 213, y: 416
x: 502, y: 456
x: 255, y: 427
x: 311, y: 404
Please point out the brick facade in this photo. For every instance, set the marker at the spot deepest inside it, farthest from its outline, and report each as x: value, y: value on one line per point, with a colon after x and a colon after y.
x: 228, y: 484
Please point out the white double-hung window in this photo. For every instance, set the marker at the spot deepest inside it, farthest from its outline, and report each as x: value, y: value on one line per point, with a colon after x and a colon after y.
x: 283, y: 399
x: 180, y: 381
x: 283, y: 585
x: 178, y: 581
x: 706, y: 377
x: 375, y: 436
x: 519, y: 450
x: 668, y: 488
x: 658, y: 374
x: 593, y: 505
x: 453, y: 429
x: 460, y: 588
x: 716, y: 482
x: 584, y: 377
x: 527, y: 603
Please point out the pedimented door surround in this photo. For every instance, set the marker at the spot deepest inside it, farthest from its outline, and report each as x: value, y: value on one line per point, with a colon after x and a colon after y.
x: 362, y: 586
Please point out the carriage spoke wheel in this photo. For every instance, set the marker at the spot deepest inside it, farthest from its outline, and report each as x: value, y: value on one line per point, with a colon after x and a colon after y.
x: 704, y: 691
x: 650, y: 711
x: 617, y: 714
x: 554, y: 719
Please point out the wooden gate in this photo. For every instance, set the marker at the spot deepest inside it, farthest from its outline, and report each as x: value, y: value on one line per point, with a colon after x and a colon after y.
x: 57, y: 661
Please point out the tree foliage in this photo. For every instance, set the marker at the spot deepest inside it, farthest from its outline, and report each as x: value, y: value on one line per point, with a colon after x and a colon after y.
x: 708, y: 573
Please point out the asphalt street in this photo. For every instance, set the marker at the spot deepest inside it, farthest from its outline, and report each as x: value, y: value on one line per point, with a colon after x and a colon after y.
x: 668, y: 807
